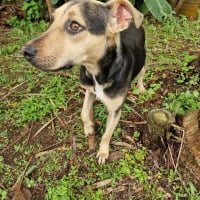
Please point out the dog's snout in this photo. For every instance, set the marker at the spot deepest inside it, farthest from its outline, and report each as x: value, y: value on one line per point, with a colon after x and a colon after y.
x: 29, y: 52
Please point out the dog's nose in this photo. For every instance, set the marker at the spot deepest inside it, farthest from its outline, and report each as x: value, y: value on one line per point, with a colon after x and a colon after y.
x: 29, y: 52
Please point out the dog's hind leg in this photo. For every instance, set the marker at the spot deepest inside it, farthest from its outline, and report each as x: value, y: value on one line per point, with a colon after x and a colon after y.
x: 112, y: 121
x: 140, y: 83
x: 87, y: 113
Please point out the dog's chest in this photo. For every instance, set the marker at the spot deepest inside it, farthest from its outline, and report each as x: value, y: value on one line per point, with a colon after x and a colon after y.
x: 98, y: 90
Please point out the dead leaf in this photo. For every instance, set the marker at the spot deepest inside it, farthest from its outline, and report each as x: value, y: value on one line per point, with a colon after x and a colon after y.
x: 101, y: 183
x: 20, y: 194
x: 115, y: 156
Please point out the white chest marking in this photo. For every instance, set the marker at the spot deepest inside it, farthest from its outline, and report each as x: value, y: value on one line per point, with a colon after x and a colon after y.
x: 99, y: 90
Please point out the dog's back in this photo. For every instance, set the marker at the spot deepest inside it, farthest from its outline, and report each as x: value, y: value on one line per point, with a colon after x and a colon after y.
x: 120, y: 63
x: 133, y: 44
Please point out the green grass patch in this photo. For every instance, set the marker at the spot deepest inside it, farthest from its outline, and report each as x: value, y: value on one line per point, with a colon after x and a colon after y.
x: 30, y: 98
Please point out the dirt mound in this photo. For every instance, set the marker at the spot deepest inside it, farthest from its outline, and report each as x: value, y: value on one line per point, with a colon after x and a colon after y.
x: 9, y: 10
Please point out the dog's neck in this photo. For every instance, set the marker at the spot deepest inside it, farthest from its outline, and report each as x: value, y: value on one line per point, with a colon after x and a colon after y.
x: 112, y: 53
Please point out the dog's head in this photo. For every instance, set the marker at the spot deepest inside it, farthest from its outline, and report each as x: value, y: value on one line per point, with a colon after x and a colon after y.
x: 80, y: 33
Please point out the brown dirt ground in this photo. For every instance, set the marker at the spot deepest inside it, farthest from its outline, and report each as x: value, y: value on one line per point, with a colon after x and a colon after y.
x: 49, y: 141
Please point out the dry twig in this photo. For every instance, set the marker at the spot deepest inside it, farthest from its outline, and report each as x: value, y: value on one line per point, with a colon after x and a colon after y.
x: 62, y: 148
x: 171, y: 156
x: 133, y: 123
x: 122, y: 144
x: 109, y: 190
x: 63, y: 123
x: 73, y: 148
x: 43, y: 127
x: 12, y: 90
x: 101, y: 183
x: 130, y: 139
x: 50, y: 8
x: 179, y: 153
x: 91, y: 142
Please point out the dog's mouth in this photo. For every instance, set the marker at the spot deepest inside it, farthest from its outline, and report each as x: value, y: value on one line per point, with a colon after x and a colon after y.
x: 65, y: 67
x: 47, y: 68
x: 45, y: 63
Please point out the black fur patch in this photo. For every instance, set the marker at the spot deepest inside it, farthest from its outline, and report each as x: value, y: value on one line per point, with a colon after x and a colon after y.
x: 85, y: 77
x: 96, y: 16
x: 105, y: 64
x: 133, y: 45
x: 120, y: 71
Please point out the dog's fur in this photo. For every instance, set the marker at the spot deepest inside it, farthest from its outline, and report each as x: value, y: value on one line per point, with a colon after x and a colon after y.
x: 109, y: 47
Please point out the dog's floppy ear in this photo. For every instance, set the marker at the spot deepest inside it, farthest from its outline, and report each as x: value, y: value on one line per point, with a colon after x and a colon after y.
x: 120, y: 14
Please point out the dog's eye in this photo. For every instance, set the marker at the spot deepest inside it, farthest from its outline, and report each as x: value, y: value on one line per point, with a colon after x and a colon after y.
x: 74, y: 26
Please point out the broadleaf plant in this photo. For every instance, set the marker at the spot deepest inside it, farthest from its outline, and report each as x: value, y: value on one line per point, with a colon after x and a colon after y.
x: 159, y: 8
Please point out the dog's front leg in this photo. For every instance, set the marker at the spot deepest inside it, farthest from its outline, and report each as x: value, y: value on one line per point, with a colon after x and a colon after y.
x: 140, y: 83
x: 112, y: 122
x: 87, y: 113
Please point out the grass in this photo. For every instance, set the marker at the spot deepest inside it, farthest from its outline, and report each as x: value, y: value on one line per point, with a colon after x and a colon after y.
x: 58, y: 168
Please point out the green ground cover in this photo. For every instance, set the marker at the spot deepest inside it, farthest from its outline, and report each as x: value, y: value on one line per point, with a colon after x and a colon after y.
x: 41, y: 133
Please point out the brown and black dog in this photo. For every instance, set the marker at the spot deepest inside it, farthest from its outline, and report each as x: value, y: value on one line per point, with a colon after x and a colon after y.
x: 109, y: 46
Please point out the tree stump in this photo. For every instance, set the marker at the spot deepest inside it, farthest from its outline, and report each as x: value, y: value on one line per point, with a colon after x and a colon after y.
x: 190, y: 155
x: 186, y: 128
x: 189, y: 8
x: 159, y: 122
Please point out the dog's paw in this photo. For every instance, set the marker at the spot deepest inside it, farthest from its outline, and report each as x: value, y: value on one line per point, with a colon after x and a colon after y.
x: 103, y: 154
x: 89, y: 129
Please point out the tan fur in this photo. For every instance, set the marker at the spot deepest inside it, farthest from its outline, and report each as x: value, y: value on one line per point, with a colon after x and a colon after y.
x: 78, y: 48
x: 140, y: 84
x: 87, y: 113
x: 56, y: 47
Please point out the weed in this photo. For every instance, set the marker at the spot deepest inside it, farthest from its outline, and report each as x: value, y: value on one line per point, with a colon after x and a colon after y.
x: 66, y: 187
x: 32, y: 9
x: 194, y: 193
x: 147, y: 95
x: 3, y: 138
x: 182, y: 102
x: 3, y: 194
x: 25, y: 26
x: 36, y: 106
x: 188, y: 75
x: 45, y: 94
x: 29, y: 182
x: 136, y: 134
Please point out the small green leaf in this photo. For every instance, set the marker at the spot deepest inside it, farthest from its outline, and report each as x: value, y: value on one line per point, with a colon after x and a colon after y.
x: 196, y: 94
x: 31, y: 169
x: 150, y: 91
x: 54, y: 1
x: 136, y: 91
x: 192, y: 188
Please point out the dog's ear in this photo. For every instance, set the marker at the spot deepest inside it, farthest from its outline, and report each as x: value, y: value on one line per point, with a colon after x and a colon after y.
x: 120, y: 14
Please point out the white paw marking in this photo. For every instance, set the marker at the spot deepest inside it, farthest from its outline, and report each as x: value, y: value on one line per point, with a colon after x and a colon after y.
x: 103, y: 154
x: 88, y: 129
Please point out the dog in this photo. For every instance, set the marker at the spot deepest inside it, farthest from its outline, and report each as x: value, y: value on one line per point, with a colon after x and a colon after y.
x: 107, y: 42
